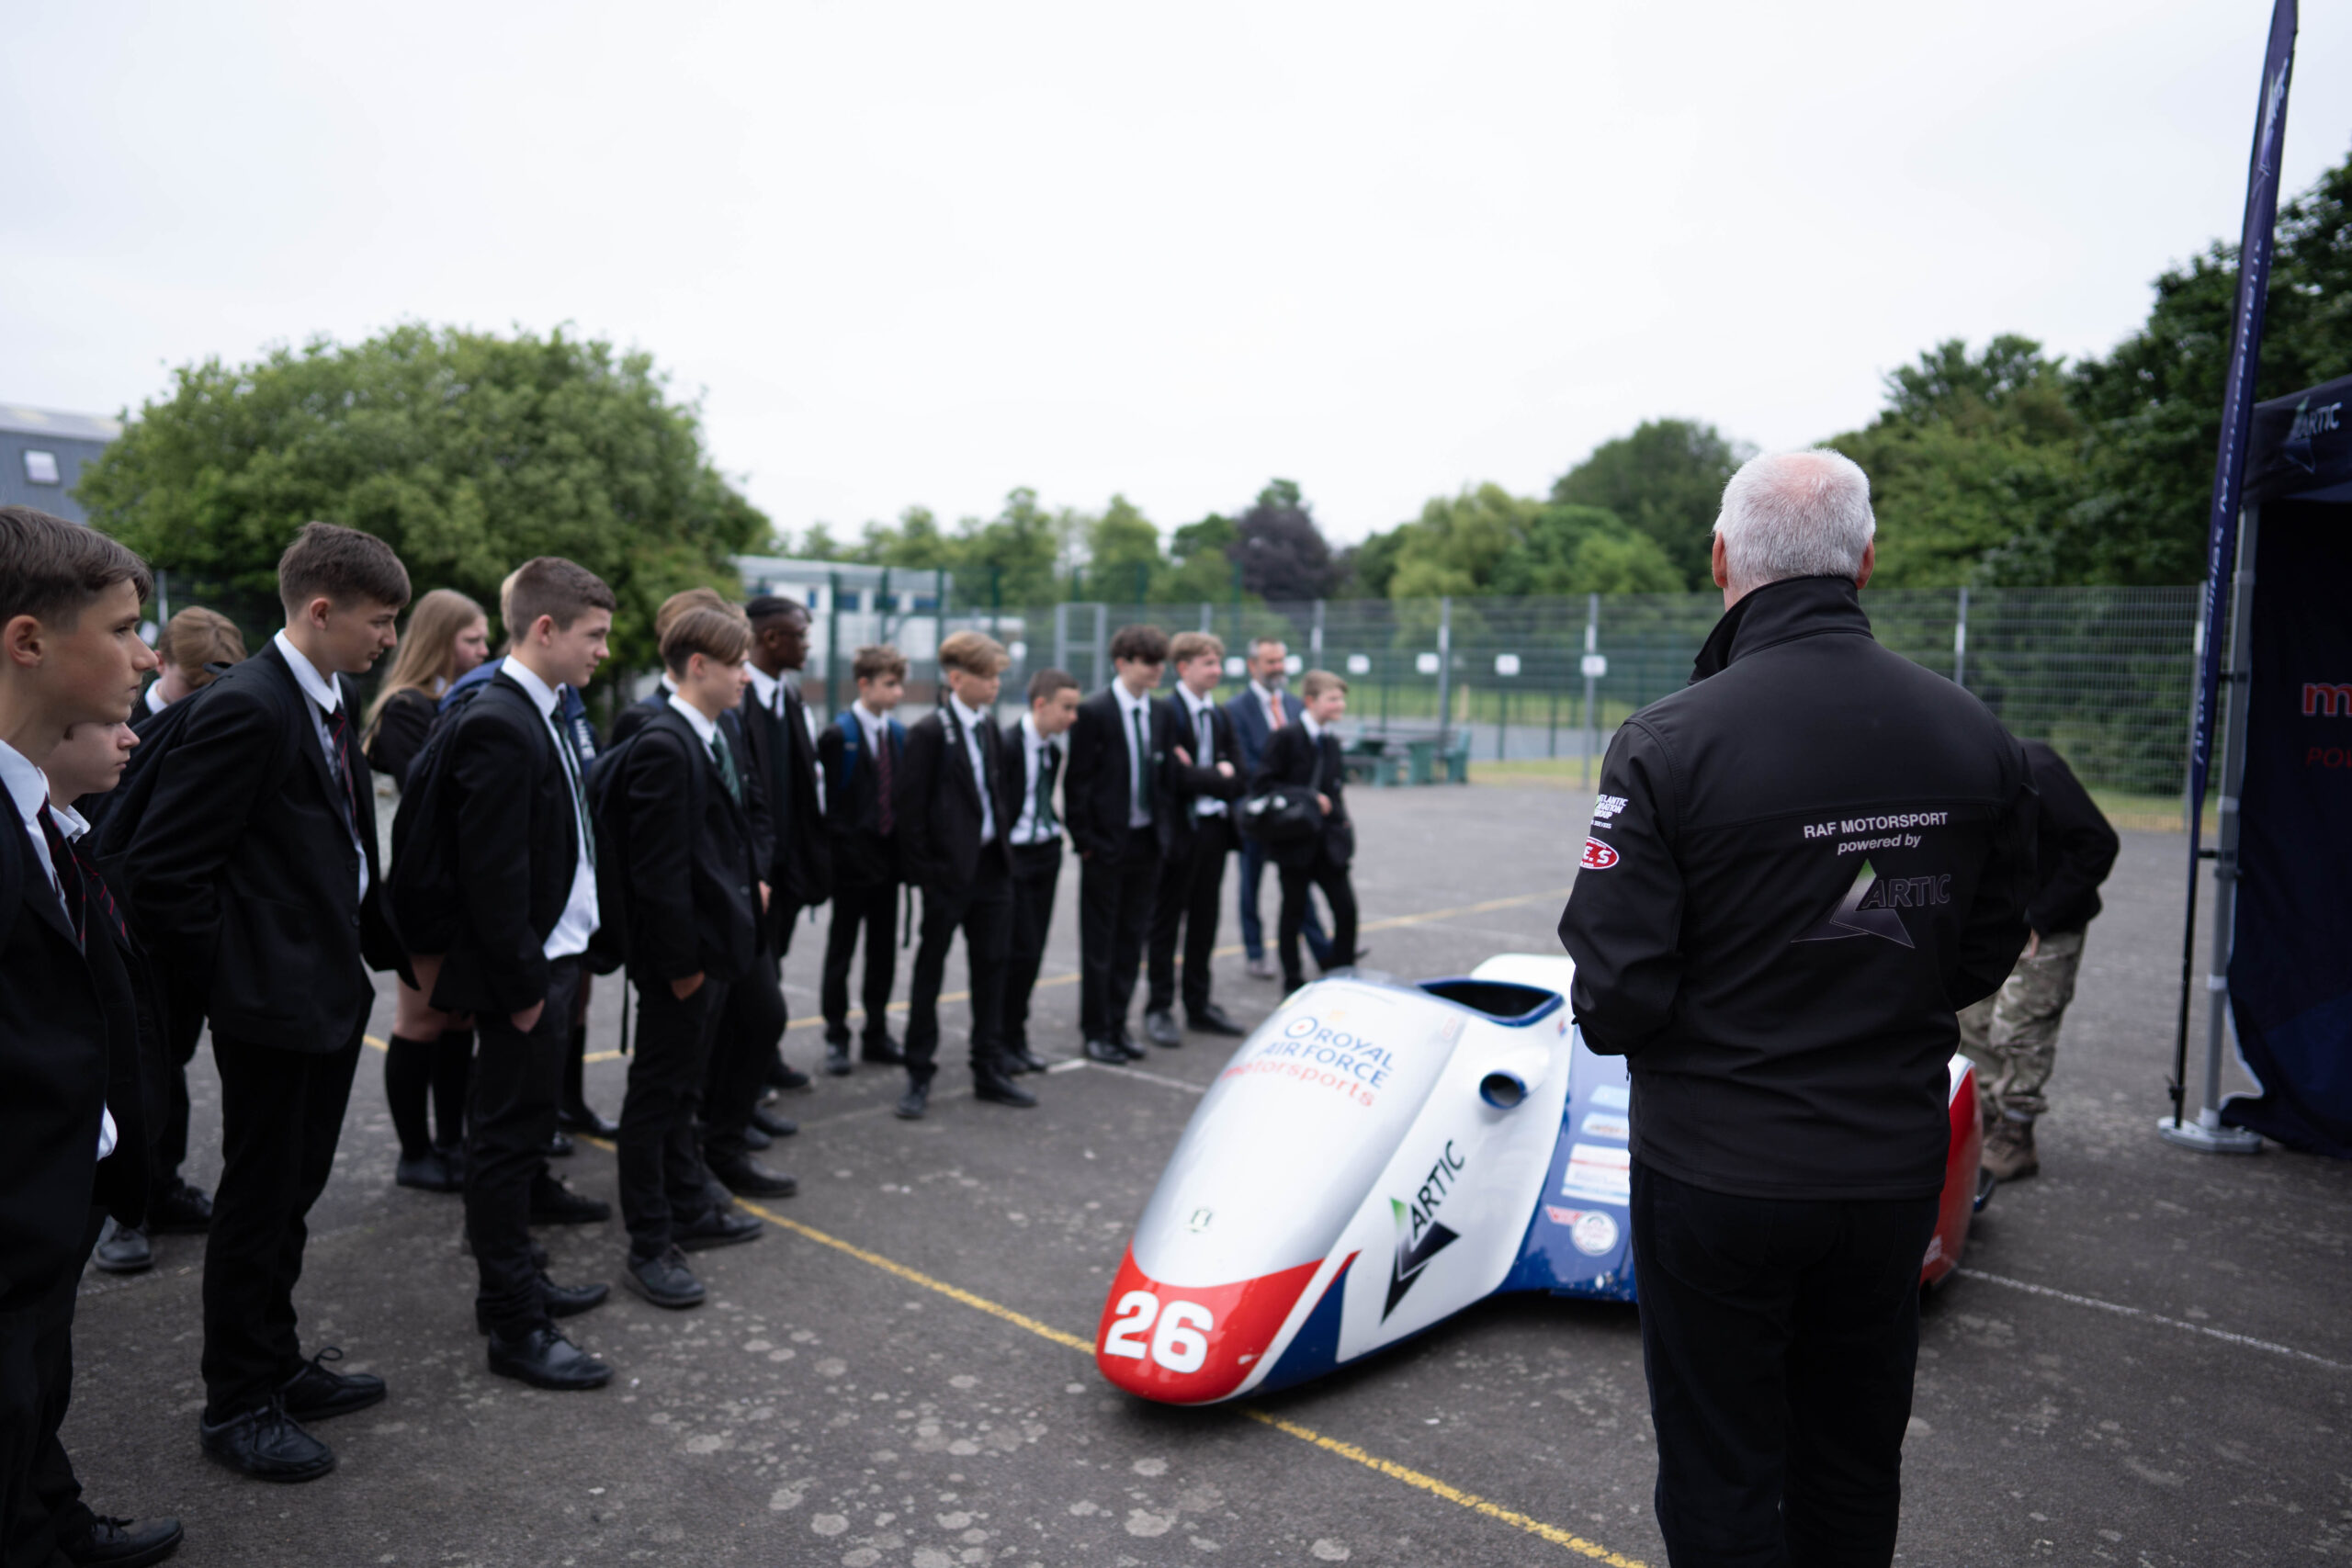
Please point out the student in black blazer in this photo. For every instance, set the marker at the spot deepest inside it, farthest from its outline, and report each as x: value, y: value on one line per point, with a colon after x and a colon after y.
x: 1308, y: 754
x: 1207, y: 779
x: 784, y: 745
x: 752, y: 1019
x: 860, y: 754
x: 1122, y: 819
x: 677, y: 809
x: 70, y: 1075
x: 252, y: 872
x: 1033, y: 765
x: 1259, y: 712
x: 511, y: 925
x: 953, y: 819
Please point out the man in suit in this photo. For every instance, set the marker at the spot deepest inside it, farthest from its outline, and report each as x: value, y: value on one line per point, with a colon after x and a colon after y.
x: 1306, y: 755
x: 251, y: 873
x: 1206, y: 780
x: 1033, y: 763
x: 860, y: 754
x: 525, y: 903
x: 784, y: 753
x: 1118, y: 794
x: 1258, y: 715
x: 194, y: 645
x: 70, y: 1062
x: 678, y: 811
x: 953, y: 818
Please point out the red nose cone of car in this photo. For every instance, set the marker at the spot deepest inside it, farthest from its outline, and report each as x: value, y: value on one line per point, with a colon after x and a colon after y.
x: 1189, y: 1344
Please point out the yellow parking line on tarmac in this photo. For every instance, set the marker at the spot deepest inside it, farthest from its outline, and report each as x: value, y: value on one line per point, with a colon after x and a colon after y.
x: 1390, y: 1468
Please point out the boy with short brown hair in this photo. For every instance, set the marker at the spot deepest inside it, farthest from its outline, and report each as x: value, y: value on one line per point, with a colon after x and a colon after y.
x: 860, y: 754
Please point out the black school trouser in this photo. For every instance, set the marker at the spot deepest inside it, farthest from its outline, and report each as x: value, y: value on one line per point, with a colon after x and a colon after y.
x: 1190, y: 886
x: 40, y: 1498
x: 183, y: 1025
x: 1780, y: 1339
x: 662, y: 1172
x: 281, y: 1115
x: 868, y: 909
x: 1332, y: 877
x: 982, y: 911
x: 750, y: 1026
x: 1115, y: 889
x: 516, y: 1080
x: 1036, y: 872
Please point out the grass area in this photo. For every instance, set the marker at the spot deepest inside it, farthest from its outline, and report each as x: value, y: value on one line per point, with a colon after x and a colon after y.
x: 2143, y: 812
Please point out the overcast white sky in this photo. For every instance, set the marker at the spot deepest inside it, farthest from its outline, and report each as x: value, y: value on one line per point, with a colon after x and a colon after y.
x: 924, y: 253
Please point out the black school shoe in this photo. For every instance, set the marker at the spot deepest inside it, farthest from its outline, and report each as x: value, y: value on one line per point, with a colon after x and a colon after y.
x: 555, y: 1204
x: 179, y: 1209
x: 789, y: 1079
x: 1212, y: 1020
x: 428, y: 1172
x: 665, y: 1280
x: 267, y: 1445
x: 996, y: 1088
x: 718, y: 1227
x: 747, y: 1178
x: 582, y: 1118
x: 544, y: 1359
x: 317, y: 1392
x: 774, y: 1126
x: 122, y: 1249
x: 560, y: 1301
x: 881, y: 1050
x: 122, y: 1543
x: 914, y: 1102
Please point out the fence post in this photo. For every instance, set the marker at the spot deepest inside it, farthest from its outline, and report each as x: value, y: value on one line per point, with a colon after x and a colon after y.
x: 1959, y: 643
x: 1208, y: 617
x: 1592, y: 684
x: 1445, y: 667
x: 1315, y: 637
x: 832, y: 639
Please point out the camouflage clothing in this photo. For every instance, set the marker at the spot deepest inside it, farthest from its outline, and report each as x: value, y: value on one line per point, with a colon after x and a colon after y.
x: 2012, y: 1035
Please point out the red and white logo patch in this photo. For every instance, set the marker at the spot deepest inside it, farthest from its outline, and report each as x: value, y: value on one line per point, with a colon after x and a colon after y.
x: 1598, y: 856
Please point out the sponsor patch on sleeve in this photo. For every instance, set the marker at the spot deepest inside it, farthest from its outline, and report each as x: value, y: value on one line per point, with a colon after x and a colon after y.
x: 1597, y: 856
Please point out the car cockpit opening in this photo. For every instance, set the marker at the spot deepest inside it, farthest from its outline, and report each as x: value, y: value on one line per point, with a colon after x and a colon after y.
x: 1506, y: 1002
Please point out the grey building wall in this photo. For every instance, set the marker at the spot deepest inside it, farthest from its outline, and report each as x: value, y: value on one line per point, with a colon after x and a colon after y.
x: 68, y: 441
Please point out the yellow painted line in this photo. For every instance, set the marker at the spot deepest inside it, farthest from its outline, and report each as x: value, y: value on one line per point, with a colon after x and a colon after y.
x: 1390, y: 1468
x: 1435, y: 1487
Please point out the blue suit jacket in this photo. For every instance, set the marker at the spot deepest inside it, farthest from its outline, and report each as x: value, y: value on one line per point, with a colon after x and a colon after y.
x: 1249, y: 725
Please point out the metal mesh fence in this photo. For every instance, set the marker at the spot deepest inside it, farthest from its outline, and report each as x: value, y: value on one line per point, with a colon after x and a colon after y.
x: 2103, y: 674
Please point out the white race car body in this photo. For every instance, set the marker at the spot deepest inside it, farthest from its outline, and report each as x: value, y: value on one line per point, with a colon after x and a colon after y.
x: 1377, y: 1156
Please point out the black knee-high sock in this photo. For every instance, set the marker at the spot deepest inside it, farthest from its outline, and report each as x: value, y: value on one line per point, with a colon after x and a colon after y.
x: 575, y: 1070
x: 453, y: 1067
x: 408, y: 1076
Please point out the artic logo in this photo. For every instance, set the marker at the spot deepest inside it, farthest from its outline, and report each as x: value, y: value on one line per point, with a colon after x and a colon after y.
x: 1420, y: 1236
x: 1870, y: 905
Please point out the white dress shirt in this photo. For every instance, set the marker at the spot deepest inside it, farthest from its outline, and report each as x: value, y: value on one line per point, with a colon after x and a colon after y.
x: 1269, y: 703
x: 28, y: 789
x: 155, y: 698
x: 876, y: 727
x: 1139, y: 758
x: 706, y: 729
x: 581, y: 917
x: 1204, y: 746
x: 325, y: 697
x: 970, y: 719
x: 1035, y: 749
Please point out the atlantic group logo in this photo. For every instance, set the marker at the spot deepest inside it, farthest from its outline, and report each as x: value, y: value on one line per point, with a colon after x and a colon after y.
x: 1420, y: 1235
x: 1872, y: 906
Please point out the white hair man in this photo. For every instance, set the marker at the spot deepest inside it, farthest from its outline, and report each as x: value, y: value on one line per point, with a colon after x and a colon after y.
x: 1787, y: 1032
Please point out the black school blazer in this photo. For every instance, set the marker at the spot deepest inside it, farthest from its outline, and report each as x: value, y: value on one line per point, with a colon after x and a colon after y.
x: 241, y: 869
x: 692, y: 869
x: 1290, y: 759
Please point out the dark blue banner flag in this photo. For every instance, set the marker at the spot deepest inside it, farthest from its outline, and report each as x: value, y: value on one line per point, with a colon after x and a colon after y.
x: 2255, y: 240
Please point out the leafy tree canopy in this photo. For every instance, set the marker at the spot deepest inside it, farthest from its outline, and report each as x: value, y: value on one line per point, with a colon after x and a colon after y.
x: 1283, y: 555
x: 466, y: 452
x: 1666, y: 480
x: 1488, y: 541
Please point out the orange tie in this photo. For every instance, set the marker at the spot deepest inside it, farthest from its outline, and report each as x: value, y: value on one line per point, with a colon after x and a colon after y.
x: 1274, y: 709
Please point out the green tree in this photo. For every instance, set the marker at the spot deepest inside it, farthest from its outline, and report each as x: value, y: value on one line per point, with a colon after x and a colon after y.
x: 1201, y: 562
x: 1666, y: 480
x: 2153, y: 404
x: 1488, y: 540
x: 1124, y: 563
x: 466, y: 452
x: 1975, y: 456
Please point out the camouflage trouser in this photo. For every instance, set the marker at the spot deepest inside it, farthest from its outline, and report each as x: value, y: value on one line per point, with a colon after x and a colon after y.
x: 2012, y: 1035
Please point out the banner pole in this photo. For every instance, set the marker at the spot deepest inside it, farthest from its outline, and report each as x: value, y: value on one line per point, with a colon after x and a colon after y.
x: 2255, y: 245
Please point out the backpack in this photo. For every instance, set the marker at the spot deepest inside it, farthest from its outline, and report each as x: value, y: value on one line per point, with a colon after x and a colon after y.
x: 116, y: 820
x: 854, y: 741
x: 421, y: 891
x: 608, y: 813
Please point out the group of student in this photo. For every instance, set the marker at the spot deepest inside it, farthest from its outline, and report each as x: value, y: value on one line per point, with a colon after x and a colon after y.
x: 219, y: 863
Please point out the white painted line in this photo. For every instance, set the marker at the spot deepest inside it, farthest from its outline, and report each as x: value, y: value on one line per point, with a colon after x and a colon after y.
x: 2142, y: 1314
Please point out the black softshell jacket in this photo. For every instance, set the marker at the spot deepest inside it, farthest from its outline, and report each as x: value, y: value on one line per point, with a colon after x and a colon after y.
x: 1799, y: 866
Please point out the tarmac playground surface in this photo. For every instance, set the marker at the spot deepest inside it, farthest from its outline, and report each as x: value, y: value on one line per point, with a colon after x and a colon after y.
x: 2146, y: 1358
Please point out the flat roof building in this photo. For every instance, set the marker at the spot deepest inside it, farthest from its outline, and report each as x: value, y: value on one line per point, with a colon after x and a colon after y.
x: 43, y: 453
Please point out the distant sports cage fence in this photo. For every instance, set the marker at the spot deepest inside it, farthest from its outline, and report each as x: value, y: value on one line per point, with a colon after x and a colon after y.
x: 2103, y: 674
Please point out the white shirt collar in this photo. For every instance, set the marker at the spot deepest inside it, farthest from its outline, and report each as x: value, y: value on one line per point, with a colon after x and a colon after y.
x: 1314, y: 730
x: 969, y: 715
x: 540, y: 692
x: 70, y: 822
x: 27, y: 785
x: 1029, y: 731
x: 704, y: 728
x: 1197, y: 706
x: 155, y: 702
x: 669, y: 683
x: 1130, y: 703
x: 765, y: 686
x: 874, y: 723
x: 327, y: 694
